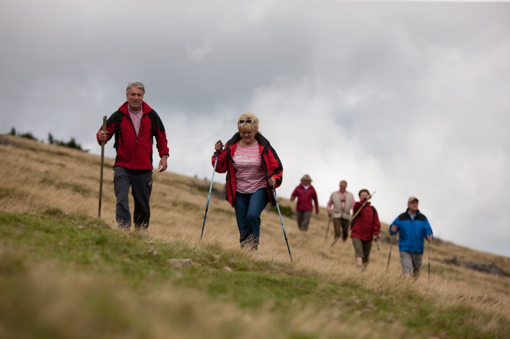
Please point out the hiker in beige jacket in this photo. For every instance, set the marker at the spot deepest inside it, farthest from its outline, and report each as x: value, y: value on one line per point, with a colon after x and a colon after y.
x: 339, y: 208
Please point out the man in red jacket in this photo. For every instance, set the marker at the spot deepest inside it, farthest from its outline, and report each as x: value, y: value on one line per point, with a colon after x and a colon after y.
x: 305, y: 193
x: 134, y: 125
x: 365, y: 228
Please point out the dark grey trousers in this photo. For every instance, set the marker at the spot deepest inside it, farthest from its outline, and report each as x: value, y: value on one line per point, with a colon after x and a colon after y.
x: 141, y: 187
x: 303, y: 219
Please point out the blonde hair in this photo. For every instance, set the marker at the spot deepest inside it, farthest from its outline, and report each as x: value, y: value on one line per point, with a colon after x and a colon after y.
x: 248, y: 126
x: 306, y: 177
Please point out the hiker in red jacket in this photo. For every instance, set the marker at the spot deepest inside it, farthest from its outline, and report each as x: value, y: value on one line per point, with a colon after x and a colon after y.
x: 365, y: 229
x: 253, y: 169
x: 305, y: 193
x: 134, y: 125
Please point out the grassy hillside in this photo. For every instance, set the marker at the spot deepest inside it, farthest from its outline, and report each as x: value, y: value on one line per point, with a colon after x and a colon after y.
x: 66, y: 274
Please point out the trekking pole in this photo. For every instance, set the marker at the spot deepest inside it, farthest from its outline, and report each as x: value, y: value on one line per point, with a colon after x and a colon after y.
x: 101, y: 175
x: 429, y: 263
x: 327, y: 229
x: 210, y: 190
x: 389, y: 256
x: 377, y: 243
x: 334, y: 241
x: 355, y: 215
x: 281, y: 221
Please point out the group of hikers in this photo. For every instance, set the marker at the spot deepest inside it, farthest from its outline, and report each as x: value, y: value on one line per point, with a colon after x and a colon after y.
x: 253, y: 172
x: 362, y: 220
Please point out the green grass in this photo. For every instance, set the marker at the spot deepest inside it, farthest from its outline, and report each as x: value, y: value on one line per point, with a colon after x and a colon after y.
x: 77, y: 243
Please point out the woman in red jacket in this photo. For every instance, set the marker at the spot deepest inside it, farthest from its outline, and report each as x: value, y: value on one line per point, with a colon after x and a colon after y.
x: 305, y: 193
x: 253, y: 171
x: 365, y: 228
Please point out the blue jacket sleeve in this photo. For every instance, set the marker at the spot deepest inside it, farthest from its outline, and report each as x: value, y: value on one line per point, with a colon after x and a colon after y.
x: 428, y: 229
x: 396, y: 223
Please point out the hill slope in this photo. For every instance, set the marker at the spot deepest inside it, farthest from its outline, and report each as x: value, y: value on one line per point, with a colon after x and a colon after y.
x: 64, y: 273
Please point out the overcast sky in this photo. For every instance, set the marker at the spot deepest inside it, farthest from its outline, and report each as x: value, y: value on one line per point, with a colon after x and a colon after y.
x: 402, y: 98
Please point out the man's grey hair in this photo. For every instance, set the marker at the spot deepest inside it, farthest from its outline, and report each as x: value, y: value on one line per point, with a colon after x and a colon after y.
x: 136, y: 84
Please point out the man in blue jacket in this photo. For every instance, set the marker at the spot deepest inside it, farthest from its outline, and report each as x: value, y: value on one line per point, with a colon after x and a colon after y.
x: 413, y: 227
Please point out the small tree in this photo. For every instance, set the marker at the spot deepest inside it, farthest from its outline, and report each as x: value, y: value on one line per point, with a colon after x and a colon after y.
x: 28, y: 135
x: 72, y: 144
x: 51, y: 141
x: 13, y: 131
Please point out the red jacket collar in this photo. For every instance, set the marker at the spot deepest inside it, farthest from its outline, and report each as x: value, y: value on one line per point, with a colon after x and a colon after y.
x: 145, y: 107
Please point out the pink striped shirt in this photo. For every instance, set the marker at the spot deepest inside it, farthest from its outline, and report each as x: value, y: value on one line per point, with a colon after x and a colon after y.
x: 250, y: 175
x: 136, y: 117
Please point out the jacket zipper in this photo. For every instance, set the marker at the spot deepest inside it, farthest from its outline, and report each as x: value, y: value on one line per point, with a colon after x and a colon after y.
x: 230, y: 161
x: 271, y: 198
x: 140, y: 133
x: 136, y: 139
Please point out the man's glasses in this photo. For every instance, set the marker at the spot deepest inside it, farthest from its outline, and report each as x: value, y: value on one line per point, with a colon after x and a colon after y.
x: 242, y: 121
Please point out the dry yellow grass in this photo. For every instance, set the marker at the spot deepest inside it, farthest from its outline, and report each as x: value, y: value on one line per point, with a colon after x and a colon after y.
x: 36, y: 176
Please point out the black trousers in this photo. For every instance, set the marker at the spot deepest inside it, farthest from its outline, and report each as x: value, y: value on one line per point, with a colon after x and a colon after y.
x: 141, y: 187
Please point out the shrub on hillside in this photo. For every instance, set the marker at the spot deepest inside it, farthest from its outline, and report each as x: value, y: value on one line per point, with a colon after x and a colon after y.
x: 284, y: 210
x: 28, y: 135
x: 71, y: 143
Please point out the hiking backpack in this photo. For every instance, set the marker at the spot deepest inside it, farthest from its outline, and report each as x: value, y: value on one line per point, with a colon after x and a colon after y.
x: 373, y: 221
